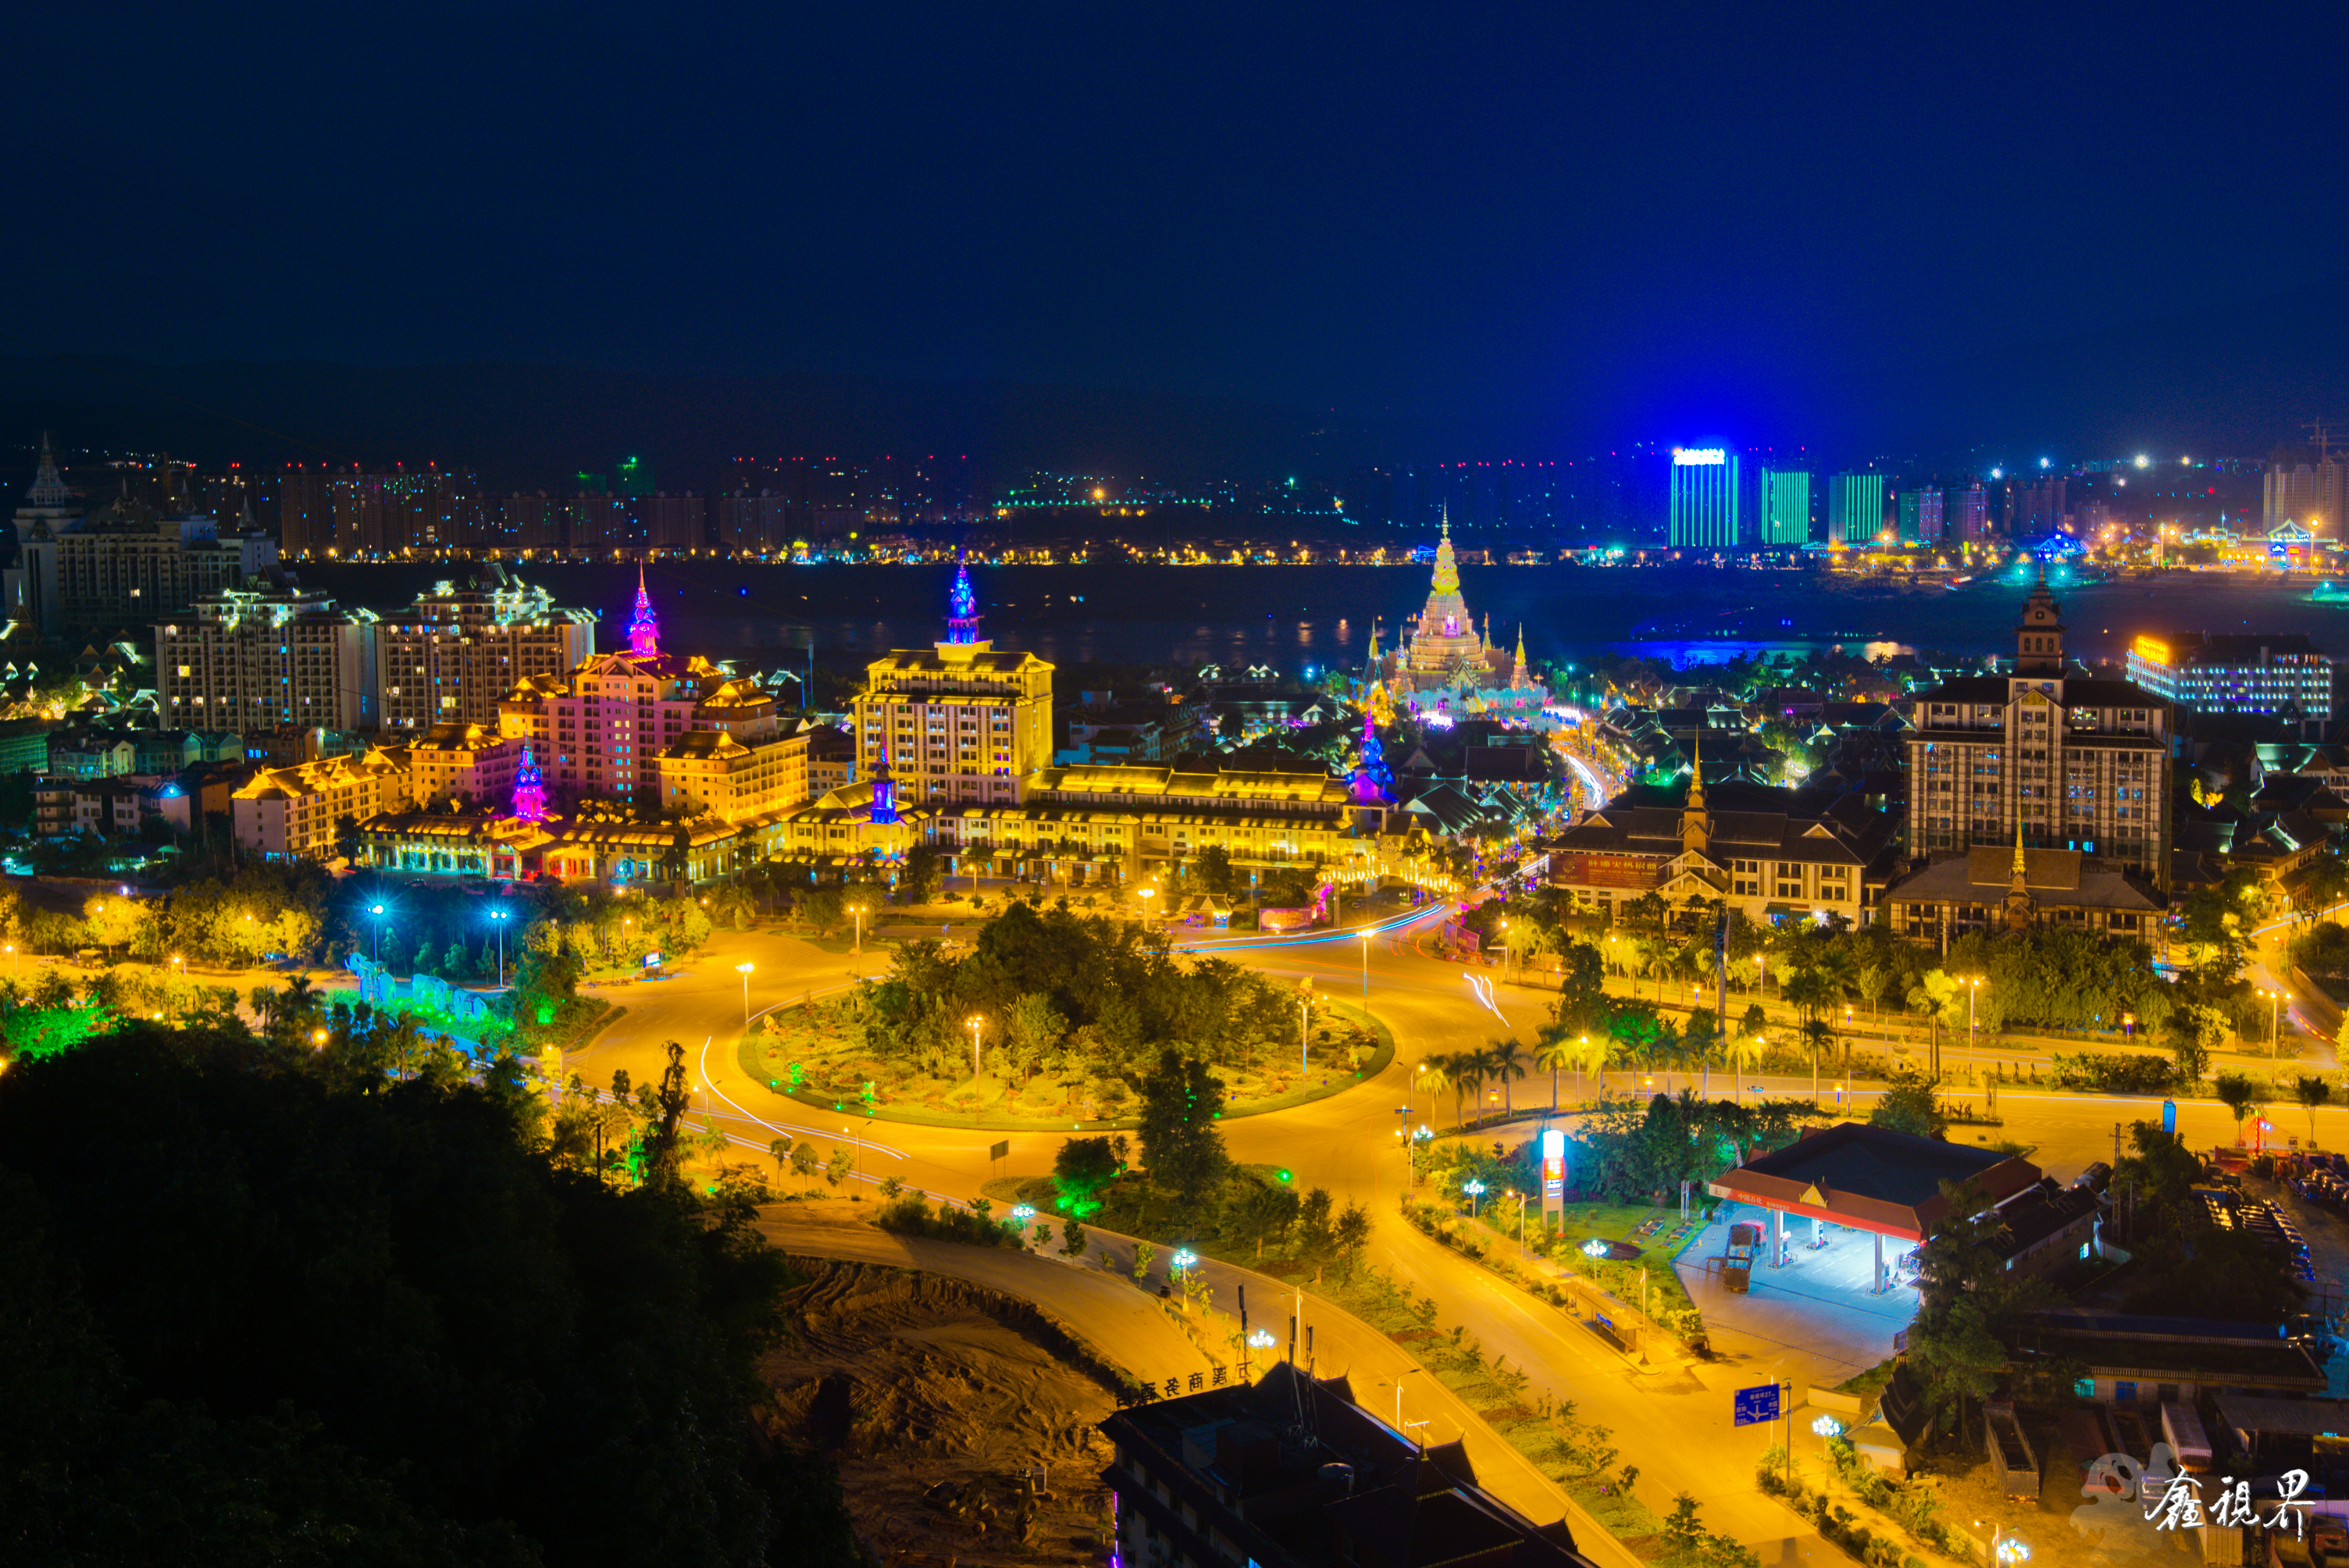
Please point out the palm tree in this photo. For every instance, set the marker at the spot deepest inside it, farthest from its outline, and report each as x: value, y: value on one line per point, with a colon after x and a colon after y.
x: 1506, y: 1061
x: 1742, y: 1051
x: 1819, y: 1034
x: 1557, y: 1051
x: 781, y: 1150
x: 2311, y: 1092
x: 1448, y: 1069
x: 2239, y: 1095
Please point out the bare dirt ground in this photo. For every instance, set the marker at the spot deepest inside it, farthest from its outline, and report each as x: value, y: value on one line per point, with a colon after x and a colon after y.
x: 962, y: 1420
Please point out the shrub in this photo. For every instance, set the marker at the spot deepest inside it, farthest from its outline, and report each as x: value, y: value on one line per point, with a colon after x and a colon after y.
x: 909, y: 1215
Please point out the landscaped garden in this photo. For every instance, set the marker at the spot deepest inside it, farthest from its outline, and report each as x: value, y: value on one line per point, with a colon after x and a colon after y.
x: 1054, y: 1018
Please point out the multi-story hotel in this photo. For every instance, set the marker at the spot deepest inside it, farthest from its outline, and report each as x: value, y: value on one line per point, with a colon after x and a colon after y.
x: 290, y: 813
x: 957, y: 721
x: 252, y: 659
x: 2044, y: 757
x: 127, y: 563
x: 598, y: 730
x: 452, y: 656
x: 2283, y: 674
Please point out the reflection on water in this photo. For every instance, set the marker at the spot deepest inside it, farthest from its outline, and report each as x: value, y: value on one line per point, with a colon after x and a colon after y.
x: 1291, y: 616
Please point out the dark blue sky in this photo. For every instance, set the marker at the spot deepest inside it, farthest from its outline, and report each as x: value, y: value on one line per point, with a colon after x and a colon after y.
x: 1761, y: 221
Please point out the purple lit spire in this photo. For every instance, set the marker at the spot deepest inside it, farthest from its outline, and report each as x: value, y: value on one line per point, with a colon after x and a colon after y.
x: 644, y: 632
x: 1371, y: 776
x: 884, y: 788
x: 962, y: 607
x: 529, y: 794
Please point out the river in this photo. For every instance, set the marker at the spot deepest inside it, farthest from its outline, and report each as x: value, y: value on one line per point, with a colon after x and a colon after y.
x: 1295, y: 617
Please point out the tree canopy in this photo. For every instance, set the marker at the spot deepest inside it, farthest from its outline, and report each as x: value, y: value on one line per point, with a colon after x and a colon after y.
x: 285, y: 1308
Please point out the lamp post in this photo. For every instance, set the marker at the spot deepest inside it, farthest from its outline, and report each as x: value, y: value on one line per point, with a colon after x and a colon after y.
x: 1973, y: 987
x: 858, y: 911
x: 375, y: 953
x: 497, y: 917
x: 974, y: 1021
x: 1143, y: 894
x: 1304, y: 1021
x: 2275, y: 1004
x: 745, y: 971
x: 1474, y: 1188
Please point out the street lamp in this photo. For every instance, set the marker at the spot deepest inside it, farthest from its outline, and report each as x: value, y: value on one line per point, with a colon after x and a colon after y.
x: 1474, y: 1188
x: 497, y: 917
x: 1143, y: 894
x: 745, y: 971
x: 375, y: 953
x: 2275, y: 1004
x: 858, y: 911
x: 1974, y: 988
x: 1304, y: 1018
x: 973, y: 1022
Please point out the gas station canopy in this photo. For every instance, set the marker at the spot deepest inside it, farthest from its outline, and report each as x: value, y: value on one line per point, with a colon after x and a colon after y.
x: 1871, y: 1179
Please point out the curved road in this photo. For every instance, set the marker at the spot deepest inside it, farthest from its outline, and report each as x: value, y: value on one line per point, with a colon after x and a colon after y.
x: 1672, y: 1419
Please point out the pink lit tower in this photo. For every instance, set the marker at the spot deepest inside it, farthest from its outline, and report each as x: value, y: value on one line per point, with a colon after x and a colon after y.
x: 644, y: 632
x: 529, y: 793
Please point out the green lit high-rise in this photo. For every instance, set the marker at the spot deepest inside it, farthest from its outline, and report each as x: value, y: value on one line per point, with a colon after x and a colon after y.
x: 1782, y: 513
x: 1854, y: 508
x: 1704, y: 499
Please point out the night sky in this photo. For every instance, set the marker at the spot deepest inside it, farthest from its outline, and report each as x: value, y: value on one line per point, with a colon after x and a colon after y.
x: 1766, y: 223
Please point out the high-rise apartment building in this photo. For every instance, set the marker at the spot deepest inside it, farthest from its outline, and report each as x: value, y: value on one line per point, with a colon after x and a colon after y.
x: 2043, y: 758
x: 2038, y: 508
x: 1782, y: 513
x: 1920, y: 512
x: 957, y: 722
x: 454, y: 654
x: 2307, y: 486
x: 1704, y: 499
x: 754, y: 524
x: 254, y: 659
x: 127, y: 565
x: 322, y: 513
x: 1854, y: 507
x: 1967, y: 518
x: 2279, y: 672
x: 677, y: 523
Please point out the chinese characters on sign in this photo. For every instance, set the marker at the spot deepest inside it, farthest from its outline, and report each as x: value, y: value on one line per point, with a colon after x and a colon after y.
x: 2175, y: 1502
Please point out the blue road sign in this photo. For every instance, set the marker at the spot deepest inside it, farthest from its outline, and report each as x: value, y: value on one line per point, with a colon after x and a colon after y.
x: 1754, y: 1406
x: 2169, y: 1115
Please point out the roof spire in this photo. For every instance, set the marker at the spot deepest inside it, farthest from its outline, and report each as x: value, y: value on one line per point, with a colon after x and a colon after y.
x: 962, y: 605
x: 529, y: 793
x: 644, y: 631
x: 2021, y: 870
x: 48, y: 486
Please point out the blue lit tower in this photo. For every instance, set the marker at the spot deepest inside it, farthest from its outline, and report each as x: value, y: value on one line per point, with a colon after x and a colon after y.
x: 644, y: 632
x: 529, y: 794
x: 962, y: 607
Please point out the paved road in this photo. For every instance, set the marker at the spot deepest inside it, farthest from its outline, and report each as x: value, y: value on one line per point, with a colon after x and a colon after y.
x: 1673, y: 1421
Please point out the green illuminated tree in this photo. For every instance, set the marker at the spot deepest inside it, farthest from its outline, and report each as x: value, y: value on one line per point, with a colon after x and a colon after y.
x: 1180, y: 1144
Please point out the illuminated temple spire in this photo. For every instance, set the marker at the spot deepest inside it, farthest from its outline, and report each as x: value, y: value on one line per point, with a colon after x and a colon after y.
x: 529, y: 794
x: 962, y: 607
x: 1517, y: 680
x: 644, y: 632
